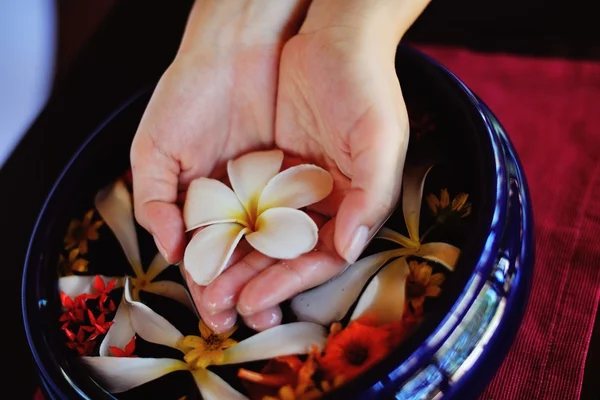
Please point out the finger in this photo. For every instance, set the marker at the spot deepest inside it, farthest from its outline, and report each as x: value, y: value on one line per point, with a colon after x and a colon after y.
x: 264, y: 319
x: 218, y: 322
x: 223, y: 292
x: 155, y: 179
x: 378, y: 146
x: 286, y: 278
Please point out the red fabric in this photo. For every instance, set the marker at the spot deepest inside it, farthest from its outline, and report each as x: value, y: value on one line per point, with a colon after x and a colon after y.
x: 551, y: 111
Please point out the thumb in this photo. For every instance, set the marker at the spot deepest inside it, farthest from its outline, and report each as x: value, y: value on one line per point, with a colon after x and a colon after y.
x: 155, y: 183
x: 377, y: 149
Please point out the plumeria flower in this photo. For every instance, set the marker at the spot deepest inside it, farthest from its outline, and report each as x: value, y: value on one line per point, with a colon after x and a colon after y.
x: 79, y: 232
x: 115, y: 207
x: 385, y: 294
x: 121, y: 374
x: 262, y: 206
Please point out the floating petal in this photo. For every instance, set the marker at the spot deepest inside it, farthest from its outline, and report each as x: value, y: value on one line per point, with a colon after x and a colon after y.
x: 386, y: 233
x: 158, y: 265
x: 440, y: 252
x: 412, y: 196
x: 210, y: 201
x: 172, y: 290
x: 206, y: 255
x: 119, y: 374
x: 74, y: 285
x: 250, y: 173
x: 115, y: 207
x: 120, y: 332
x: 284, y: 233
x: 281, y: 340
x: 385, y: 295
x: 296, y: 187
x: 331, y: 301
x: 212, y: 387
x: 149, y: 325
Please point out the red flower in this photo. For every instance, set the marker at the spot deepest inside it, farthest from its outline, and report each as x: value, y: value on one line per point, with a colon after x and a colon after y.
x: 105, y: 303
x: 98, y: 326
x: 78, y: 342
x: 128, y: 352
x: 74, y: 310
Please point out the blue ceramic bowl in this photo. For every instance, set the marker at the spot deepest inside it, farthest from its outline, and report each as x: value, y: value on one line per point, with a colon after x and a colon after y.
x: 458, y: 348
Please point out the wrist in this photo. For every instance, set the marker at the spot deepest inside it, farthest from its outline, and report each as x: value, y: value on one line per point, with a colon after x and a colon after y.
x: 233, y: 24
x: 381, y: 22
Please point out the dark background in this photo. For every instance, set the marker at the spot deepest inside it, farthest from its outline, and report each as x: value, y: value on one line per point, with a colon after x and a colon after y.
x: 110, y: 48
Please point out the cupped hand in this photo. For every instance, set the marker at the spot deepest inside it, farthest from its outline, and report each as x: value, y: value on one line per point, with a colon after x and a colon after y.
x: 215, y: 102
x: 339, y: 105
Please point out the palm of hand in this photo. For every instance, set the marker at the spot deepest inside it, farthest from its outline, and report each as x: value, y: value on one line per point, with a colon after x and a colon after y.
x: 336, y: 118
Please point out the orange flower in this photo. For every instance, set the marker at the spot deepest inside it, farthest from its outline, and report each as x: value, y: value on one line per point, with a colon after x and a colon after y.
x: 73, y: 263
x: 80, y: 232
x: 354, y: 349
x: 285, y: 378
x: 421, y: 283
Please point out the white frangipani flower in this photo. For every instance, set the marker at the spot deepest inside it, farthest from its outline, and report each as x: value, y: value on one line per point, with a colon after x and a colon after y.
x: 385, y: 294
x: 263, y: 207
x: 114, y: 204
x: 119, y: 374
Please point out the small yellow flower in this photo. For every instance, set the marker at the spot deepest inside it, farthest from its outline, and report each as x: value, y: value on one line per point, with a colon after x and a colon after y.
x: 442, y: 207
x: 80, y: 232
x: 200, y: 352
x: 66, y: 266
x: 421, y: 283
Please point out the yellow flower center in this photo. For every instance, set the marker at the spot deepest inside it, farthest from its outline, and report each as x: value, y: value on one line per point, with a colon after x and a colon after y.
x: 200, y: 352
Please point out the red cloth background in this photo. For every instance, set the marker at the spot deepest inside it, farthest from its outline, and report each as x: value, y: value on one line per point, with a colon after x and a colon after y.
x: 551, y: 111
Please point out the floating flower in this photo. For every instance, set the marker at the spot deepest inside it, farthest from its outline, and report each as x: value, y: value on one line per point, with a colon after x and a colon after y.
x: 79, y: 341
x: 208, y: 349
x: 127, y: 352
x: 263, y: 207
x: 421, y: 283
x: 74, y: 310
x: 115, y: 207
x: 353, y: 350
x: 442, y: 208
x: 288, y: 378
x: 73, y: 263
x: 385, y: 294
x: 98, y: 325
x: 120, y: 374
x: 79, y: 232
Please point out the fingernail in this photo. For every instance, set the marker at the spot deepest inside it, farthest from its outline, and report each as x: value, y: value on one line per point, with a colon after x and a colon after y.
x: 357, y: 245
x: 244, y: 310
x: 161, y: 249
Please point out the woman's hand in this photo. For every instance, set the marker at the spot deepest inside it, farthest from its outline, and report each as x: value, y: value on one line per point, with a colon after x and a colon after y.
x: 339, y: 105
x: 215, y: 102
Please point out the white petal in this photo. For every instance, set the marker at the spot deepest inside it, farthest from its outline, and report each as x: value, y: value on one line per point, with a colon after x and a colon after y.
x: 281, y: 340
x: 172, y: 290
x: 412, y: 196
x: 74, y: 285
x: 250, y: 173
x: 384, y: 297
x: 296, y: 187
x: 443, y: 253
x: 115, y: 207
x: 206, y: 255
x: 158, y: 265
x: 120, y: 332
x: 284, y: 233
x: 386, y: 233
x: 331, y: 301
x: 119, y: 374
x: 151, y: 326
x: 210, y: 201
x: 212, y: 387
